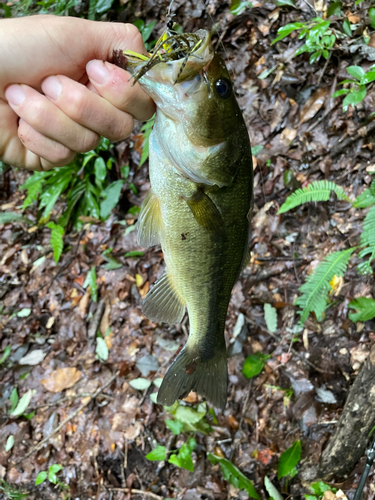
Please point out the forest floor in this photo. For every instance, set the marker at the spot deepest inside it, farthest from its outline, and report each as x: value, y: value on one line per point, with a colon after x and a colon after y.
x: 45, y: 309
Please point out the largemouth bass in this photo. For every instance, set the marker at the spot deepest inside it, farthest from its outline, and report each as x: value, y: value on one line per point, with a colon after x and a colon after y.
x: 199, y: 204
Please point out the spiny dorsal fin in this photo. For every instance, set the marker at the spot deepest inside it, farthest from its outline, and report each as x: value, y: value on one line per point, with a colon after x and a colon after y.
x: 189, y: 373
x: 150, y: 223
x: 162, y: 303
x: 205, y: 211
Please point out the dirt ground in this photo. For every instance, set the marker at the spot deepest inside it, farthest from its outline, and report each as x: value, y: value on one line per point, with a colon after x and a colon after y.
x: 102, y: 449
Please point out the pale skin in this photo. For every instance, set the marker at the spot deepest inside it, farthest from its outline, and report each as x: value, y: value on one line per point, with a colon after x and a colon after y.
x: 59, y: 93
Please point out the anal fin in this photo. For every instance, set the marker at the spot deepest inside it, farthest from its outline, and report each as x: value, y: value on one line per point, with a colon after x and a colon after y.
x: 205, y: 211
x: 163, y: 303
x: 150, y: 223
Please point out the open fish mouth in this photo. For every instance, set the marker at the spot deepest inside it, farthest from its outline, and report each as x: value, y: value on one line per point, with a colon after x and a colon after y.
x: 176, y: 57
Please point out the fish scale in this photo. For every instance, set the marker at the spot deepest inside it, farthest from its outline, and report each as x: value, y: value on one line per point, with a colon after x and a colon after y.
x: 198, y: 209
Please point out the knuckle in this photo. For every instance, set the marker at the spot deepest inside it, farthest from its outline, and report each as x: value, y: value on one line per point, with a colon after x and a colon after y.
x: 89, y: 141
x: 76, y: 106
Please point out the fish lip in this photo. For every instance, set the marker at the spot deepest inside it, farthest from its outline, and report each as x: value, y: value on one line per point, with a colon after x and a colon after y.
x: 181, y: 69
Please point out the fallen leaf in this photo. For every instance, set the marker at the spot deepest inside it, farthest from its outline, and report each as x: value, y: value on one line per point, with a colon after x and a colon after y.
x: 33, y: 358
x: 313, y: 104
x: 61, y: 379
x: 353, y: 19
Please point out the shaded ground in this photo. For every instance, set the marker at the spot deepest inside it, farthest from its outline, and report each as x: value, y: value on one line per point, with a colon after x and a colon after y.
x: 102, y: 449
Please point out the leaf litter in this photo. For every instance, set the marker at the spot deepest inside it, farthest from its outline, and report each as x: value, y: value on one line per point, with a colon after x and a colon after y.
x: 45, y: 319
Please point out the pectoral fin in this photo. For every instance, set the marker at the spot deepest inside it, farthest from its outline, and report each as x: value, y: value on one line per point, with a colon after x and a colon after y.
x: 163, y: 303
x: 150, y: 223
x: 205, y: 211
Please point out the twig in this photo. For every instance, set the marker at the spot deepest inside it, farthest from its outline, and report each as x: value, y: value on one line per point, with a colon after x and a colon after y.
x: 39, y: 445
x: 132, y: 491
x: 339, y: 147
x: 93, y: 328
x: 67, y: 398
x: 324, y: 69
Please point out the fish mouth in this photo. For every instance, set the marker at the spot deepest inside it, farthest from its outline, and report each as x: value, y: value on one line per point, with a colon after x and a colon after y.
x: 176, y: 58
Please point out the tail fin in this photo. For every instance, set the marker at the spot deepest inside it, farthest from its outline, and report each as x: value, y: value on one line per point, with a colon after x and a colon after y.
x: 189, y: 373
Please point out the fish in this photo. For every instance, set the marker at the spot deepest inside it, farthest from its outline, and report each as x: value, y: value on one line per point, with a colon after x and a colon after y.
x: 199, y: 205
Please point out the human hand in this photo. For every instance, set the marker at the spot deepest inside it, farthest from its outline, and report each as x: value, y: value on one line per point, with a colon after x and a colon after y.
x: 57, y: 96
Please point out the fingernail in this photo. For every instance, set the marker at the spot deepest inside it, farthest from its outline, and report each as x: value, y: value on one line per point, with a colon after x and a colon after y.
x: 97, y: 71
x: 15, y: 95
x: 52, y: 87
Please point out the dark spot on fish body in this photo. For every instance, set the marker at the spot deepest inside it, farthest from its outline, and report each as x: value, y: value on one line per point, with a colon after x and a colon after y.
x: 184, y: 236
x: 191, y: 367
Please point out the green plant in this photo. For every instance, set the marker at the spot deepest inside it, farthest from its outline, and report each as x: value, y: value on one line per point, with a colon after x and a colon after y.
x: 237, y: 7
x: 288, y: 461
x: 233, y: 475
x: 319, y: 488
x: 11, y: 492
x: 91, y: 282
x: 364, y: 306
x: 146, y: 31
x: 315, y: 290
x: 51, y: 475
x: 183, y: 457
x: 319, y: 39
x: 254, y: 364
x: 357, y: 90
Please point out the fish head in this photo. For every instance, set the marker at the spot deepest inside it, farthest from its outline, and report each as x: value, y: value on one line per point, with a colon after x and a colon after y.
x: 194, y: 89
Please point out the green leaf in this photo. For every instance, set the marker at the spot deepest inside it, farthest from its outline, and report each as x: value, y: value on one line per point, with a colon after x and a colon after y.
x: 23, y: 403
x: 319, y: 488
x: 371, y: 15
x: 272, y: 490
x: 91, y: 281
x: 289, y: 459
x: 134, y: 253
x: 157, y: 454
x: 56, y: 241
x: 286, y: 30
x: 340, y: 92
x: 9, y: 444
x: 52, y: 471
x: 237, y: 7
x: 368, y: 77
x: 101, y: 349
x: 334, y: 9
x: 140, y: 383
x: 13, y: 399
x: 188, y: 415
x: 368, y: 235
x: 355, y: 97
x: 7, y: 217
x: 24, y: 313
x: 147, y: 30
x: 365, y: 199
x: 183, y: 459
x: 255, y: 150
x: 6, y: 354
x: 100, y: 170
x: 270, y: 315
x: 282, y: 3
x: 146, y: 131
x: 41, y: 477
x: 103, y: 5
x: 316, y: 191
x: 315, y: 289
x: 175, y: 426
x: 356, y: 71
x: 346, y: 27
x: 254, y: 364
x: 364, y: 306
x: 111, y: 197
x: 233, y: 475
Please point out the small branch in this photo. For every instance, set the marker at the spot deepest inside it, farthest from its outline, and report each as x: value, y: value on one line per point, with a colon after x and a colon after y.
x: 94, y: 325
x: 324, y: 69
x: 132, y: 491
x: 339, y: 147
x: 39, y: 445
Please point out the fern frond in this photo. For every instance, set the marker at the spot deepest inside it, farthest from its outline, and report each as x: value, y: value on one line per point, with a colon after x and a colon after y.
x: 57, y: 242
x: 316, y: 191
x: 368, y: 241
x: 315, y: 289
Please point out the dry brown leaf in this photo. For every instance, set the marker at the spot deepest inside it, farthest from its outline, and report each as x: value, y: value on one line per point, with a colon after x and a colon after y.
x: 105, y: 324
x: 313, y: 104
x: 61, y: 379
x: 353, y: 19
x: 84, y: 303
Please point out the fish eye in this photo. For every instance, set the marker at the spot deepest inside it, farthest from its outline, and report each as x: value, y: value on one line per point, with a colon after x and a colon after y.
x: 223, y: 88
